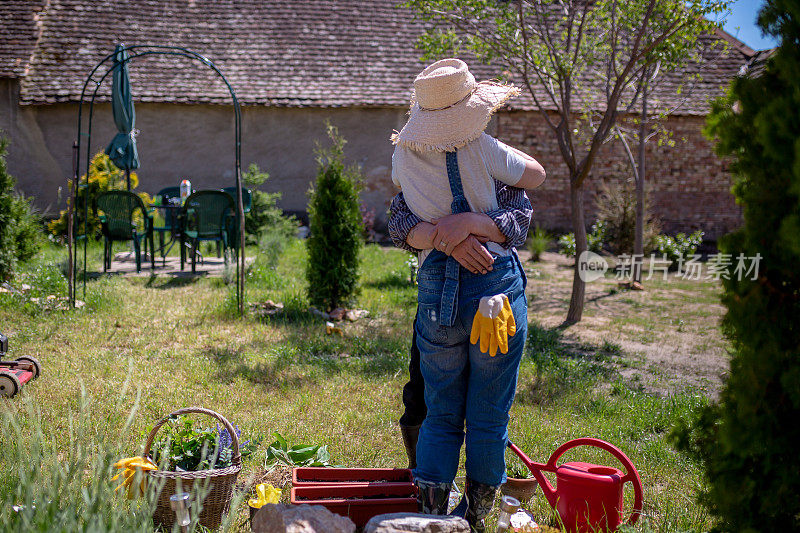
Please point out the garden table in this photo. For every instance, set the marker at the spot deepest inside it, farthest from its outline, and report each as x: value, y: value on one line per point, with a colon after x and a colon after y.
x: 167, y: 220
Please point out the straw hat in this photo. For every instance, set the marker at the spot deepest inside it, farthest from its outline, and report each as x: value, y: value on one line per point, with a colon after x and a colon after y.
x: 449, y: 108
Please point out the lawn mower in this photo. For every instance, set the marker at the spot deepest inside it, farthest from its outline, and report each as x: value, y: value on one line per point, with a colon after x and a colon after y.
x: 14, y: 374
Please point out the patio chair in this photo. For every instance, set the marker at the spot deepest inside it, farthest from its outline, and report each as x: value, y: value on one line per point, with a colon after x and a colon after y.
x: 247, y: 197
x: 124, y: 217
x: 205, y: 216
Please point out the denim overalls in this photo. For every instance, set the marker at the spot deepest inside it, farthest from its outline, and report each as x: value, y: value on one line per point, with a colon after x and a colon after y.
x: 462, y: 384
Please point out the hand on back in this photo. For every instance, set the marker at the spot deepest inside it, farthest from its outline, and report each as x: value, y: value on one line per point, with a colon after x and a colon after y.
x: 473, y: 256
x: 451, y: 230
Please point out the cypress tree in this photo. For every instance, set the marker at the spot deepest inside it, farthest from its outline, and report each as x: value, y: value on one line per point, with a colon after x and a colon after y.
x: 8, y: 245
x: 749, y: 441
x: 335, y: 228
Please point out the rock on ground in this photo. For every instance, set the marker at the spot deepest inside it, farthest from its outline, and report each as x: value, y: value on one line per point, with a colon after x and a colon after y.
x: 281, y: 518
x: 416, y: 523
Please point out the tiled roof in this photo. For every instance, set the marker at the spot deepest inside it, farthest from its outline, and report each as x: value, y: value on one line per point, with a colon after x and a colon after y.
x: 758, y: 63
x: 319, y: 53
x: 19, y: 30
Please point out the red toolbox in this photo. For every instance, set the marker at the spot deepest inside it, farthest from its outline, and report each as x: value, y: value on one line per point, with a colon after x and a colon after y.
x: 358, y: 493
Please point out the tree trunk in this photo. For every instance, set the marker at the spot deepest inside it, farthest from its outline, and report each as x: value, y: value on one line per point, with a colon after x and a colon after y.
x: 575, y: 311
x: 638, y: 240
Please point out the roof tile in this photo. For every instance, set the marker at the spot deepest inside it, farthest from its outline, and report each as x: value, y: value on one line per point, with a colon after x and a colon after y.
x: 313, y: 53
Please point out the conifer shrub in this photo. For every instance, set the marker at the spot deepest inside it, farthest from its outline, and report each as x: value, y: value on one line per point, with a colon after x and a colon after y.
x: 748, y: 442
x: 265, y: 217
x: 20, y: 228
x: 335, y: 226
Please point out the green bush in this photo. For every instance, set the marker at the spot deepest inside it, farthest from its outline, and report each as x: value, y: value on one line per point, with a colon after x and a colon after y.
x: 681, y: 246
x: 29, y: 228
x: 20, y: 227
x: 103, y: 176
x: 264, y: 211
x: 538, y: 242
x: 596, y: 238
x: 749, y: 441
x: 616, y: 209
x: 335, y: 224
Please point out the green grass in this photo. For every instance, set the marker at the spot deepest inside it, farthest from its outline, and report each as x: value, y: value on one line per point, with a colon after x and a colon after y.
x: 148, y: 346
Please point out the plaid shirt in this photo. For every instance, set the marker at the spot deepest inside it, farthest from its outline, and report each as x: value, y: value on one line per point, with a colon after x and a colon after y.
x: 512, y: 217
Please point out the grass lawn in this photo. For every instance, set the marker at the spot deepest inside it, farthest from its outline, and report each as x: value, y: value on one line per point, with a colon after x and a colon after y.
x: 143, y: 347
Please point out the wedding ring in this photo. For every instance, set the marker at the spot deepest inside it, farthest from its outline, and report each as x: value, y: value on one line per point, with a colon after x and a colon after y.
x: 443, y: 244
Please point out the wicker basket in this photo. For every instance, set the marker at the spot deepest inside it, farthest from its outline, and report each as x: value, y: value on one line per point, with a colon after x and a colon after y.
x: 221, y: 480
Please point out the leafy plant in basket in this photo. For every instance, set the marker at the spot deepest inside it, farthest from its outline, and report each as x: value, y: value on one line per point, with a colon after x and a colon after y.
x: 280, y: 453
x: 187, y: 446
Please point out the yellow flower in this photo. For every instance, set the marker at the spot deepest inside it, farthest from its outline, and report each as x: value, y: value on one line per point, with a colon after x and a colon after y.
x: 266, y: 494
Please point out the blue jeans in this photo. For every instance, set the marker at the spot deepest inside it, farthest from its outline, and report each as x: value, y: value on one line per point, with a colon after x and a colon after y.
x: 464, y: 386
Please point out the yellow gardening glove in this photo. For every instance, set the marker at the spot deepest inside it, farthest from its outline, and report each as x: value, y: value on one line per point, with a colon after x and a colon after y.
x: 493, y: 324
x: 266, y: 494
x: 129, y: 468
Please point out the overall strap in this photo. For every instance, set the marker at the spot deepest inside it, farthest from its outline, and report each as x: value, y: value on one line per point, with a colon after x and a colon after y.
x: 460, y: 204
x: 449, y: 302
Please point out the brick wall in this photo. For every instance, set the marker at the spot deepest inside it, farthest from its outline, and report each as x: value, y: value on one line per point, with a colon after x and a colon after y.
x: 689, y: 185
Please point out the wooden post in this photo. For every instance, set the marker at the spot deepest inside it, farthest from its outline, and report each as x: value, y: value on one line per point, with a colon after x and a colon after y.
x: 70, y: 222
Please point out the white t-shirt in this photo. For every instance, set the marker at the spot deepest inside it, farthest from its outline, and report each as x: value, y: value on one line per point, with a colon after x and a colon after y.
x: 422, y: 176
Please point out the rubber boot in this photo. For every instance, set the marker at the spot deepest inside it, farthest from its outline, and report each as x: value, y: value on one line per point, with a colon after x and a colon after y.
x: 480, y: 500
x: 432, y: 498
x: 410, y: 436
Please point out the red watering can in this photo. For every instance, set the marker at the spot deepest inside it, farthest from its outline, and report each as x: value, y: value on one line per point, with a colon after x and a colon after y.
x: 588, y: 497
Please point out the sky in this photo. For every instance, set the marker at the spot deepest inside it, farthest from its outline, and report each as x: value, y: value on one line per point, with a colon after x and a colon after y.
x: 741, y: 23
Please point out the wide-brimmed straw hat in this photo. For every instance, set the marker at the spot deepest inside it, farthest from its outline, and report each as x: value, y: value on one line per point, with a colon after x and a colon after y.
x: 449, y: 108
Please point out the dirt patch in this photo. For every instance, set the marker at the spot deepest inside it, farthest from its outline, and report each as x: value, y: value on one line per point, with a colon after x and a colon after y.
x: 668, y: 334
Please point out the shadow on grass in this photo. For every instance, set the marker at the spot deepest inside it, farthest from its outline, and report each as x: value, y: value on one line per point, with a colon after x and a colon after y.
x: 392, y: 280
x: 156, y: 282
x: 308, y: 356
x: 563, y: 365
x: 272, y: 375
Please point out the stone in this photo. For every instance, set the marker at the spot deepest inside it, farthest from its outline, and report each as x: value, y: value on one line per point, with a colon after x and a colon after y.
x: 283, y: 518
x: 354, y: 314
x: 416, y: 523
x: 338, y: 313
x: 267, y: 308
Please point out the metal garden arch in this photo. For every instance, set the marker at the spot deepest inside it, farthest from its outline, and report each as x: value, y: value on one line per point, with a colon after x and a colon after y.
x: 134, y: 52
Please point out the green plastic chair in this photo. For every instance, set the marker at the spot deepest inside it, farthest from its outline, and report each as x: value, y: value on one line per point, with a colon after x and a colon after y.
x: 124, y: 217
x: 205, y: 216
x: 247, y: 197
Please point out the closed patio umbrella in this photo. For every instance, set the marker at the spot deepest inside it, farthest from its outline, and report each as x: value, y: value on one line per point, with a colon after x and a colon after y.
x: 122, y: 149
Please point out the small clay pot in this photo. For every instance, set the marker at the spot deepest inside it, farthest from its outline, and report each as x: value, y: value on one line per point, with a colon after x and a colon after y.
x: 522, y: 489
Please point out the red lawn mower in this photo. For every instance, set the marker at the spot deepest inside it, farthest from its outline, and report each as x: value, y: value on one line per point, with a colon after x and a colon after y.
x: 14, y: 374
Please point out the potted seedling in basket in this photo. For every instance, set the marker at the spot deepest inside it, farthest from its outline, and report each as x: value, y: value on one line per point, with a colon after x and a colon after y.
x: 190, y: 458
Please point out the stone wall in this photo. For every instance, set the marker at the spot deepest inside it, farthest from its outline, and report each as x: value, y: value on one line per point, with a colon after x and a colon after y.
x: 197, y: 142
x: 689, y: 185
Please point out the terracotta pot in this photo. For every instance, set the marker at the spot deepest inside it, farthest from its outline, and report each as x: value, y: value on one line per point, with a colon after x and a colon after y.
x: 522, y: 489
